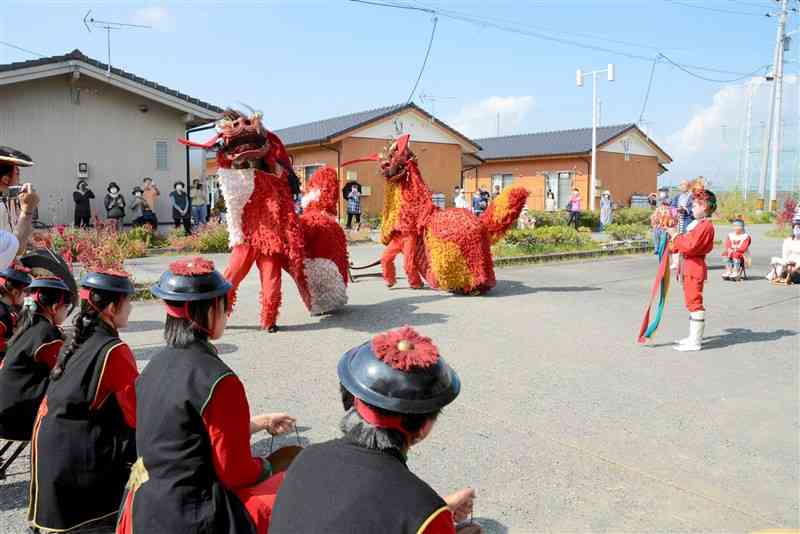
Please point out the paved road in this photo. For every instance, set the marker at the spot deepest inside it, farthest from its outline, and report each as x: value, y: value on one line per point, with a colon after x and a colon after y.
x: 564, y: 424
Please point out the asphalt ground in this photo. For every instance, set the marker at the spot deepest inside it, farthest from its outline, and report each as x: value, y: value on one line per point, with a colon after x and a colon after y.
x: 564, y: 423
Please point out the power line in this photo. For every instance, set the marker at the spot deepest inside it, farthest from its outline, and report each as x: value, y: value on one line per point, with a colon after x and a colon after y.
x: 763, y: 68
x: 15, y: 47
x: 715, y: 9
x: 425, y: 61
x: 742, y: 2
x: 395, y: 5
x: 649, y: 85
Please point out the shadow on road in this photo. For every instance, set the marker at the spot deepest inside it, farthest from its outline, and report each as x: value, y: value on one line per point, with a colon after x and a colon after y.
x: 506, y: 288
x: 741, y: 336
x: 143, y: 326
x: 14, y: 496
x: 490, y: 526
x: 379, y: 316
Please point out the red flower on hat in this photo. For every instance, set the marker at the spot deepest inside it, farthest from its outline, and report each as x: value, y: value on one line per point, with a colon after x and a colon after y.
x: 405, y: 349
x: 17, y: 266
x: 113, y: 272
x: 192, y: 266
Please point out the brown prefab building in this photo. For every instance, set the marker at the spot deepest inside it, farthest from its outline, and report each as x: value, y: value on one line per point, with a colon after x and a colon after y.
x: 439, y: 149
x: 628, y: 164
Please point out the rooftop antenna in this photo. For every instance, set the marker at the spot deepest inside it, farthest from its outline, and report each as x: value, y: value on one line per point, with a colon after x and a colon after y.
x: 433, y: 99
x: 90, y: 22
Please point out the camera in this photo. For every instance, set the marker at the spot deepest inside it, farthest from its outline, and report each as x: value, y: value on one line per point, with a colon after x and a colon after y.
x: 13, y: 191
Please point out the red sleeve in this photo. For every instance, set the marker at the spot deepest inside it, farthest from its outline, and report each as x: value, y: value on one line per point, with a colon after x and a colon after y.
x: 440, y: 522
x: 698, y: 241
x: 745, y: 245
x: 727, y: 250
x: 227, y: 419
x: 119, y: 377
x: 48, y: 352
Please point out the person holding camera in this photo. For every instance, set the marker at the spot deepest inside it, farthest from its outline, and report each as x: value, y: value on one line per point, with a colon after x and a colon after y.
x: 15, y: 226
x: 115, y: 205
x: 83, y: 209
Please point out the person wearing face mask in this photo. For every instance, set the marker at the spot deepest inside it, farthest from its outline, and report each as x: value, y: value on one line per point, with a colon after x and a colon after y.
x: 83, y: 208
x: 786, y: 268
x: 141, y: 210
x: 115, y: 205
x: 84, y: 438
x: 180, y: 208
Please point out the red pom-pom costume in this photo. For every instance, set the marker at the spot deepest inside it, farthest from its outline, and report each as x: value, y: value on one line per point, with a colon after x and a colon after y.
x: 449, y: 248
x: 256, y: 179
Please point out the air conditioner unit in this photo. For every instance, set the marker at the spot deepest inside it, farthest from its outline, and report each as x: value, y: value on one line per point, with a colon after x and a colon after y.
x: 83, y: 170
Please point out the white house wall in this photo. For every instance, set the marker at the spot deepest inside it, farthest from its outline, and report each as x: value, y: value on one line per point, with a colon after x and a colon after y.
x: 106, y: 129
x: 637, y: 146
x: 408, y: 122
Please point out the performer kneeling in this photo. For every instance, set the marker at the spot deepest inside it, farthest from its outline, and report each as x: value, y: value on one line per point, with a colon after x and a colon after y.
x: 33, y: 350
x: 195, y: 472
x: 396, y: 385
x: 13, y: 281
x: 694, y: 245
x: 84, y: 442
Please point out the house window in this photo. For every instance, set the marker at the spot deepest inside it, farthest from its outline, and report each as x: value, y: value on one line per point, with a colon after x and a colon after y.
x: 161, y: 155
x: 309, y: 170
x: 503, y: 180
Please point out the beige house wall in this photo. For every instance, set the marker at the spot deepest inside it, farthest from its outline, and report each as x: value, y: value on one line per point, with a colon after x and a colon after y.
x: 60, y: 123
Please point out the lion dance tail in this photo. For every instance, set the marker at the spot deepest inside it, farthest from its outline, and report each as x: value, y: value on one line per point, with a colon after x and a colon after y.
x: 503, y: 212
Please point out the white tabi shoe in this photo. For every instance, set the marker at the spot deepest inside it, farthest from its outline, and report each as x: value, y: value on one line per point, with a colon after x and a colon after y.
x: 697, y: 326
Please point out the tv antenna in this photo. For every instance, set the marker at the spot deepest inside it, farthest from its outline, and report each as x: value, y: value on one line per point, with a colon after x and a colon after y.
x: 106, y: 25
x: 433, y: 99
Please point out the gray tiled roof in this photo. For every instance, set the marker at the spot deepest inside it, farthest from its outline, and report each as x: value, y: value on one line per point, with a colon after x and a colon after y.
x: 577, y: 141
x: 323, y: 130
x: 80, y: 56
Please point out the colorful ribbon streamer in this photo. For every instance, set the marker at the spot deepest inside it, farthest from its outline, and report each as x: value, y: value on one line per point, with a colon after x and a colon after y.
x: 660, y: 288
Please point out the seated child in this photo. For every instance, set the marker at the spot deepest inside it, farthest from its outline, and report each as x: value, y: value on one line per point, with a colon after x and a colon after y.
x: 785, y: 268
x: 736, y: 252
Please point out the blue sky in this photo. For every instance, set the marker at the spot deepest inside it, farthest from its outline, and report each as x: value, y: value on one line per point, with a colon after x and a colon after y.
x: 304, y: 60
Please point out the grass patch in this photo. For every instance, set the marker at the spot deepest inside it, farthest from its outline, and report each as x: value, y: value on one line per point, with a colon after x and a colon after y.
x: 780, y: 233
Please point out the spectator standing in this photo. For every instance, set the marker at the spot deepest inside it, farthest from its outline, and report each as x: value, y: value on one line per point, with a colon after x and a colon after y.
x: 14, y: 237
x: 476, y: 202
x: 83, y: 208
x: 115, y: 205
x: 574, y: 208
x: 485, y: 199
x: 460, y: 201
x: 456, y: 191
x: 682, y: 203
x: 606, y: 209
x: 150, y: 194
x: 354, y: 208
x: 199, y: 201
x: 180, y: 207
x: 496, y: 192
x: 141, y: 210
x: 549, y: 201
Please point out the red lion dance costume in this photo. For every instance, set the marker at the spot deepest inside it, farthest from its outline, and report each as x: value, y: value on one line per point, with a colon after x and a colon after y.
x: 257, y: 180
x: 449, y: 248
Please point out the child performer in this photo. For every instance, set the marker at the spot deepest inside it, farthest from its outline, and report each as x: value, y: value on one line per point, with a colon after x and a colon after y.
x: 195, y: 472
x: 84, y: 441
x: 32, y: 352
x: 13, y: 281
x: 694, y: 245
x: 736, y: 251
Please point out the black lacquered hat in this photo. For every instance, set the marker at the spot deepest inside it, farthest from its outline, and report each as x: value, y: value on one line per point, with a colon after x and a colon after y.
x: 191, y: 279
x: 14, y: 157
x: 399, y: 371
x: 48, y: 282
x: 117, y: 282
x: 17, y: 273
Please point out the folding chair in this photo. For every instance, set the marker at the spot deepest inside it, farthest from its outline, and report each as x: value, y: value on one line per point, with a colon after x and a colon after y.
x: 5, y: 464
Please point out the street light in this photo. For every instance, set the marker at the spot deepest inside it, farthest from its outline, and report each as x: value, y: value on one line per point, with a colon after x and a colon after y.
x: 579, y: 76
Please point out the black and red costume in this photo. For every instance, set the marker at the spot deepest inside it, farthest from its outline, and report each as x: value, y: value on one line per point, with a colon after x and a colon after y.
x: 84, y: 441
x: 13, y: 276
x: 343, y: 486
x: 25, y: 375
x: 195, y: 471
x: 8, y: 320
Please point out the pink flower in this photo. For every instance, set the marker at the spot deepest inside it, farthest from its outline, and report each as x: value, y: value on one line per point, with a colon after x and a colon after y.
x: 405, y: 349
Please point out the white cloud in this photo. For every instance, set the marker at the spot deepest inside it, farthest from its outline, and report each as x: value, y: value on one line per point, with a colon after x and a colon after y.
x: 480, y: 119
x: 156, y: 16
x: 710, y: 143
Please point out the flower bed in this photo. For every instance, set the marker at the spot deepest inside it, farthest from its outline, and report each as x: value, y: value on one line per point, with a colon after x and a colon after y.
x: 209, y: 238
x: 542, y: 241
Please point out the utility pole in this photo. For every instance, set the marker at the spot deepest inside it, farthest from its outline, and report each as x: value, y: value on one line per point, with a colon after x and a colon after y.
x: 777, y: 73
x: 777, y: 146
x: 751, y: 88
x: 579, y: 81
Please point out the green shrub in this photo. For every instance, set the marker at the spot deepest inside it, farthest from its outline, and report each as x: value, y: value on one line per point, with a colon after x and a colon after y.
x: 547, y: 239
x: 590, y: 219
x: 731, y: 205
x: 212, y: 237
x: 627, y: 232
x: 549, y: 218
x: 632, y: 216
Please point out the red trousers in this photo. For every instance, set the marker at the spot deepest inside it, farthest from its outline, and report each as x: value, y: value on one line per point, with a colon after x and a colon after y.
x: 269, y: 267
x: 693, y: 293
x: 407, y: 246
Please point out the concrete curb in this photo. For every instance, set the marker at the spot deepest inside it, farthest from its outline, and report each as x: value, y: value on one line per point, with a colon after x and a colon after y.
x: 567, y: 256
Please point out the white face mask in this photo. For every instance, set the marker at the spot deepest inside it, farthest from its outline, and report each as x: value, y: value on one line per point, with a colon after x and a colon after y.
x: 114, y: 190
x: 179, y: 189
x: 796, y: 231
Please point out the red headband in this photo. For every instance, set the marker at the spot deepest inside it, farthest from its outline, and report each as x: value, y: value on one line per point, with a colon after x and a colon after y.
x: 182, y: 312
x: 379, y: 420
